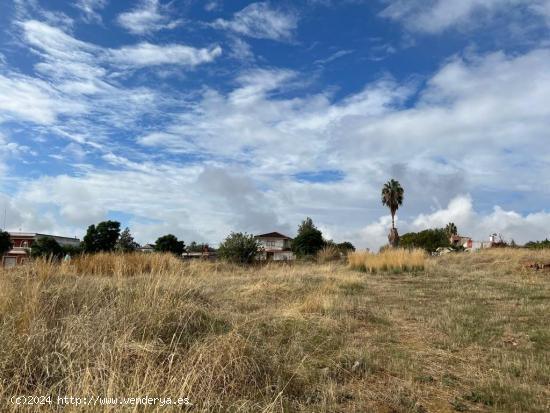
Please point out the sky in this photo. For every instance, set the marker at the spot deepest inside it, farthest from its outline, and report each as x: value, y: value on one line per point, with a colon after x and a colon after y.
x: 199, y: 118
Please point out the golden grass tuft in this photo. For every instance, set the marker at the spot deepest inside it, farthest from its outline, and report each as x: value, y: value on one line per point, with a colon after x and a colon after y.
x: 390, y: 260
x: 329, y: 253
x: 122, y: 265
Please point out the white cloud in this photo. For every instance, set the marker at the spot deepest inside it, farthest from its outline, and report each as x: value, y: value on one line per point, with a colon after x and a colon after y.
x: 479, y: 122
x: 34, y: 100
x: 150, y: 16
x: 147, y: 54
x: 260, y: 20
x: 89, y: 9
x: 439, y: 15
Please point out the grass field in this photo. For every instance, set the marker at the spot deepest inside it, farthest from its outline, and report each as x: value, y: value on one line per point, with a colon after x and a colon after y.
x: 471, y: 332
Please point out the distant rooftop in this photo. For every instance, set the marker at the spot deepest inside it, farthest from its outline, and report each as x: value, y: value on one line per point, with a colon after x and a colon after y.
x: 37, y: 234
x: 273, y: 235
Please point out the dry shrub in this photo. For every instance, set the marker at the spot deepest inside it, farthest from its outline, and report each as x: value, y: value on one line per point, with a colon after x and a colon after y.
x: 329, y: 253
x: 390, y: 260
x: 123, y: 265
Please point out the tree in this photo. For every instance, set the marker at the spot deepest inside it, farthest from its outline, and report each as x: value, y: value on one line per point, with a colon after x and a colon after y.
x: 239, y: 248
x: 125, y: 242
x: 5, y: 242
x: 47, y: 247
x: 451, y: 229
x: 170, y: 243
x: 309, y: 239
x: 196, y: 247
x: 102, y: 237
x: 392, y: 197
x: 429, y: 240
x: 346, y: 247
x: 538, y: 245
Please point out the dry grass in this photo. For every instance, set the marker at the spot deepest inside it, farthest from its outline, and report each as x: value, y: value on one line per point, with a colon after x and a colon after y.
x: 469, y: 333
x: 329, y: 253
x: 390, y: 260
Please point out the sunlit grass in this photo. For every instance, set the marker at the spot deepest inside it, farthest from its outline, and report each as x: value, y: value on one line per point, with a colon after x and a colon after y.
x: 390, y: 260
x: 470, y: 332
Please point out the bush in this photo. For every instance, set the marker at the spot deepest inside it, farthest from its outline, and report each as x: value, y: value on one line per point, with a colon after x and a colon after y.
x: 170, y: 243
x: 429, y: 240
x: 239, y: 248
x: 5, y: 242
x: 390, y: 260
x: 346, y: 247
x: 538, y: 245
x: 329, y: 253
x: 47, y: 247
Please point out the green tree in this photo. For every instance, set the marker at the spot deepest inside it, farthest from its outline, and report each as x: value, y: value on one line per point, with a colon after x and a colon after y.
x: 46, y: 247
x: 5, y: 242
x: 102, y: 237
x: 429, y: 240
x: 538, y: 245
x: 346, y: 247
x: 170, y: 243
x: 451, y: 229
x: 125, y: 242
x: 239, y: 248
x: 309, y: 239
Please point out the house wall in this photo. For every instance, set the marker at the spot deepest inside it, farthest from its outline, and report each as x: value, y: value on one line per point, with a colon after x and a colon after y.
x: 283, y: 256
x: 274, y: 243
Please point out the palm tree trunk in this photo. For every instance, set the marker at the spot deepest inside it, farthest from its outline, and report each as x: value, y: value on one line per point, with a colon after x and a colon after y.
x: 393, y: 220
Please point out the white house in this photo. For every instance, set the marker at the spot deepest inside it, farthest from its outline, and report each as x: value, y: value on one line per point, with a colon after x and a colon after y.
x: 275, y: 246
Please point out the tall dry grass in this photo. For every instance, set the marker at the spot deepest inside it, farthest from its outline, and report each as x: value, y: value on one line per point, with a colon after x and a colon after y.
x: 304, y: 338
x: 390, y: 260
x: 329, y: 253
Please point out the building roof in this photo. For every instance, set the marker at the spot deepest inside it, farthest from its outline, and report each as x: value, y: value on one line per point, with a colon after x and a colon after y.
x: 273, y: 235
x: 38, y: 235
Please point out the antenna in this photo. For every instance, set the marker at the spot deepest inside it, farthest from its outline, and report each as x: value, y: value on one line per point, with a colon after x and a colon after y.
x: 5, y: 212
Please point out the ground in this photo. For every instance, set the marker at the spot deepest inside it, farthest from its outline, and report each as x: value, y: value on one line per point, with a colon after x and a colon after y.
x: 469, y: 333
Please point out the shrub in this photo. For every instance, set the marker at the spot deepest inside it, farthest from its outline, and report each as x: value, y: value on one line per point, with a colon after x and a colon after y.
x: 239, y: 248
x: 46, y: 247
x: 170, y: 243
x: 5, y: 242
x: 309, y: 240
x: 390, y: 260
x: 538, y: 245
x: 429, y: 240
x: 329, y: 253
x: 346, y: 247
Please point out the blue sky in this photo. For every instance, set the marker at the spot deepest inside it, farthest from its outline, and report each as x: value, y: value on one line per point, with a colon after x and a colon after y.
x: 203, y: 117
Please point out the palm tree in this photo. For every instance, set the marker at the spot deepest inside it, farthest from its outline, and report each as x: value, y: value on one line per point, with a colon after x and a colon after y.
x: 392, y: 197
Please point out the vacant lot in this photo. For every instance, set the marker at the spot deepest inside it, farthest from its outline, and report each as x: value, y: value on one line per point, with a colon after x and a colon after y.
x: 469, y: 333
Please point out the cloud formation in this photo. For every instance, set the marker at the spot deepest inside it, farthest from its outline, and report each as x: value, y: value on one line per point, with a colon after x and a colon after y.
x: 150, y: 16
x: 261, y: 21
x: 439, y: 15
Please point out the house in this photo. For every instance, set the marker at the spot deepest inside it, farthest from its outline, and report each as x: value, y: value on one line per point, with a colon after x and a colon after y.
x: 274, y: 246
x: 460, y: 241
x: 22, y: 242
x: 147, y: 248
